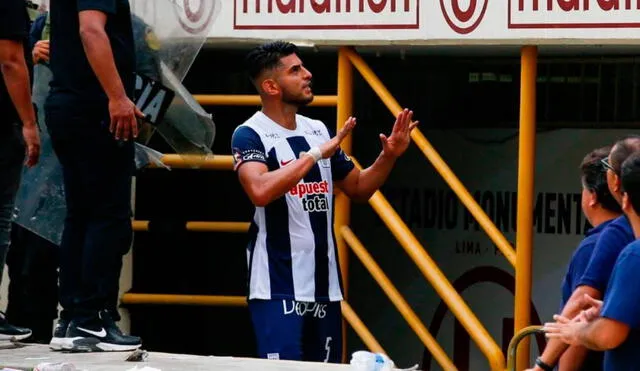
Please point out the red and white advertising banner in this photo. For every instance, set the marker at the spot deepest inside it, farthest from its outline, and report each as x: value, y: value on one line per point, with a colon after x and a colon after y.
x: 427, y: 21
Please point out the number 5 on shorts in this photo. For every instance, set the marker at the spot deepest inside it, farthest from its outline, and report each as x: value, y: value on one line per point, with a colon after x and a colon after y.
x: 328, y: 348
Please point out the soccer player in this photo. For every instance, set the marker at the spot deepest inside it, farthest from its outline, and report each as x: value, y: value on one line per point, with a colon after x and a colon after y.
x: 288, y: 165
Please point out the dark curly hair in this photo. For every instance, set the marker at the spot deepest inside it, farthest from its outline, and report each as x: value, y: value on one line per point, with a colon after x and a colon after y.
x: 267, y: 56
x: 594, y: 178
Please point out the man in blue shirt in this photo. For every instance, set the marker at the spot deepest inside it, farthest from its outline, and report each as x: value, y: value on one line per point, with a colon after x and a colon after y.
x: 92, y: 121
x: 615, y: 236
x: 617, y: 329
x: 600, y: 208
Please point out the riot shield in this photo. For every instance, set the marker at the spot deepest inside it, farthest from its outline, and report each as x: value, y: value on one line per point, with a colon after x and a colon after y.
x: 163, y: 57
x: 169, y: 34
x: 40, y: 205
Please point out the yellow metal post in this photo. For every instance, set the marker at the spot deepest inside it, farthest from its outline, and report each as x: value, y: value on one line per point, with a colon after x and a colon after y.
x: 526, y: 167
x: 343, y: 206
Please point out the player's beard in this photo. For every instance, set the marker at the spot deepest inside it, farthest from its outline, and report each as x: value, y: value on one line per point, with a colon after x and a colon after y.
x: 298, y: 100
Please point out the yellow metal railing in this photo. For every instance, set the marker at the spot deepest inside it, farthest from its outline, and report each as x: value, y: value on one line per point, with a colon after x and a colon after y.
x: 214, y: 162
x: 254, y: 100
x: 231, y: 227
x: 176, y: 299
x: 423, y: 144
x: 342, y: 212
x: 438, y: 280
x: 512, y: 350
x: 401, y: 304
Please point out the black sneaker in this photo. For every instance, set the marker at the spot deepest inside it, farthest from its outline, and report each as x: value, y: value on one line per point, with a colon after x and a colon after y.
x: 101, y: 336
x: 59, y: 333
x: 10, y: 332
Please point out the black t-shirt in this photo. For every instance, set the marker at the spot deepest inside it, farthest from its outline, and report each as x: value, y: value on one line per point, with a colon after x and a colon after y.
x: 74, y: 84
x: 14, y: 25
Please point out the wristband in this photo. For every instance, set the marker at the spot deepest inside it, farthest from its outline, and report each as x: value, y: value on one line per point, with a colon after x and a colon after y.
x: 540, y: 363
x: 315, y: 154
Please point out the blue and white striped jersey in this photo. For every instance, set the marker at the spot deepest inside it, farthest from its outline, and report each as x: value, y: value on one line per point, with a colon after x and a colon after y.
x: 292, y: 253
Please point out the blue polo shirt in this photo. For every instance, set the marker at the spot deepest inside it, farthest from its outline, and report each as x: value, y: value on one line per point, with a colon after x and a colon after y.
x: 613, y: 238
x: 622, y: 303
x: 575, y: 270
x: 579, y: 261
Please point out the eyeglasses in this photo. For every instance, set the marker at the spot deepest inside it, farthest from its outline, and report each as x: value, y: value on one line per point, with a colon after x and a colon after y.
x: 607, y: 165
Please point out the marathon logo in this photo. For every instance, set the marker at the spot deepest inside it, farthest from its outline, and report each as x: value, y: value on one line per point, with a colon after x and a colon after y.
x: 574, y: 14
x: 326, y: 14
x: 312, y: 188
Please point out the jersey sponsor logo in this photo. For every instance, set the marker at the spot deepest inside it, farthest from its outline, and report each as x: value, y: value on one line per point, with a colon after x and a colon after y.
x: 315, y: 132
x: 301, y: 309
x: 311, y: 188
x: 240, y: 156
x: 284, y: 163
x: 315, y: 203
x: 312, y: 195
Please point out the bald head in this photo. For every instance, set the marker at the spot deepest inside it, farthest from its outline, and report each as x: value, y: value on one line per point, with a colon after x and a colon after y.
x: 623, y: 148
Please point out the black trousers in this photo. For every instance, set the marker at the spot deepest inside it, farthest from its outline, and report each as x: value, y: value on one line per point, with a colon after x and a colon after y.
x: 11, y: 158
x: 97, y: 172
x: 33, y: 283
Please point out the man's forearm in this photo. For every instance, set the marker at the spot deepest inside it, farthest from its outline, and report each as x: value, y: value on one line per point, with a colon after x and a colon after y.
x: 573, y: 358
x: 555, y: 348
x: 576, y: 302
x: 553, y: 351
x: 596, y: 336
x: 16, y: 78
x: 373, y: 177
x: 100, y: 55
x: 264, y: 188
